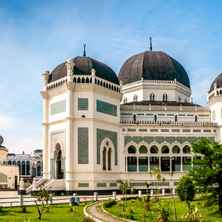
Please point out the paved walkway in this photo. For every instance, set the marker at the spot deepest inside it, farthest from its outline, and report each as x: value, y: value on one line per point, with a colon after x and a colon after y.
x: 99, y: 215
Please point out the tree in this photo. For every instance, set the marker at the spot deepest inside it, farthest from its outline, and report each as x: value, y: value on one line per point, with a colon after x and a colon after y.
x: 186, y: 190
x: 41, y: 202
x: 124, y: 186
x: 207, y: 169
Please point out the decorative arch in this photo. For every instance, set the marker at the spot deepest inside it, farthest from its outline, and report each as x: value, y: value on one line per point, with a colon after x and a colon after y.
x: 154, y: 149
x: 175, y: 149
x: 59, y: 173
x: 131, y: 149
x: 143, y: 149
x: 165, y: 149
x: 131, y: 143
x: 107, y: 154
x: 187, y: 149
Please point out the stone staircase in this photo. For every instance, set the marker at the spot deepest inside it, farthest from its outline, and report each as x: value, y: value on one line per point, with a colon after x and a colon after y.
x: 36, y: 184
x: 55, y: 184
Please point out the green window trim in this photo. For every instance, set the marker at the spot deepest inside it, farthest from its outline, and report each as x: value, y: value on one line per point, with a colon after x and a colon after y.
x: 83, y: 104
x: 106, y: 108
x: 101, y: 134
x: 58, y: 107
x: 83, y: 145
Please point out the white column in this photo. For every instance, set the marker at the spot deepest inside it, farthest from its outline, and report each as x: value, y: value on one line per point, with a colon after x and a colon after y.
x: 171, y: 165
x: 45, y: 115
x: 69, y: 160
x: 69, y: 149
x: 181, y: 164
x: 148, y: 164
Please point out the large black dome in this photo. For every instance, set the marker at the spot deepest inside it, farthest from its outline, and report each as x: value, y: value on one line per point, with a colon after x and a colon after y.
x: 83, y: 66
x: 153, y: 65
x: 217, y: 81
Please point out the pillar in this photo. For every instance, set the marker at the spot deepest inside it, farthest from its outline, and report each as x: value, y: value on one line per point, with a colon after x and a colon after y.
x: 69, y: 127
x: 45, y: 115
x: 163, y: 191
x: 171, y: 165
x: 114, y: 195
x: 148, y: 164
x: 181, y: 164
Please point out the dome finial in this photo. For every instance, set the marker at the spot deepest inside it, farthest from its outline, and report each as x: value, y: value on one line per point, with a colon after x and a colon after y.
x: 84, y: 49
x: 151, y: 44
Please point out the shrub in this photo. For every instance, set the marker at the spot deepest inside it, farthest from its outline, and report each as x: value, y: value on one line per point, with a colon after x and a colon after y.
x: 164, y: 215
x: 109, y: 203
x: 193, y: 215
x: 186, y: 190
x: 129, y: 198
x: 87, y: 219
x: 24, y: 210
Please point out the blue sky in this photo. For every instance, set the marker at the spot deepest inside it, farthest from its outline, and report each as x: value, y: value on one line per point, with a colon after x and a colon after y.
x: 38, y: 35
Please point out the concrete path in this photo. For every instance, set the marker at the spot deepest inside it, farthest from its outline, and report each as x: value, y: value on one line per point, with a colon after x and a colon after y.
x: 96, y: 212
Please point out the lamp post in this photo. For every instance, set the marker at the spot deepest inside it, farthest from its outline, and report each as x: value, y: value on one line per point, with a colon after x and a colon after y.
x: 21, y: 191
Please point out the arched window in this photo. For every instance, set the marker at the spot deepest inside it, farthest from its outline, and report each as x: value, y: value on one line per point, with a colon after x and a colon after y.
x: 175, y: 118
x: 165, y: 149
x: 143, y: 149
x: 152, y: 97
x: 59, y: 173
x: 125, y: 100
x: 104, y: 158
x: 135, y: 97
x: 23, y: 167
x: 134, y: 117
x: 176, y: 149
x: 109, y: 158
x: 153, y: 149
x: 164, y: 97
x: 131, y: 149
x: 196, y: 118
x: 155, y: 118
x: 186, y: 149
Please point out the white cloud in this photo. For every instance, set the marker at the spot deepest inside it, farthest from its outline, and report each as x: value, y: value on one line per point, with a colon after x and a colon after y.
x: 7, y: 122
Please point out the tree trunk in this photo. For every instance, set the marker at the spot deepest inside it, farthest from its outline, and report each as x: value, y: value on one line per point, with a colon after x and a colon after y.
x: 220, y: 202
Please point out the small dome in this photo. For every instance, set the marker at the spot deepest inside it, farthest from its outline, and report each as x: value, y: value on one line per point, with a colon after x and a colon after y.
x: 217, y: 81
x: 83, y: 66
x: 153, y: 65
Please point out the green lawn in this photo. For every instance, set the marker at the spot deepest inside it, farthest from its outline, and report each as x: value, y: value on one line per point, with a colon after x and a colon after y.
x: 135, y: 210
x: 60, y: 213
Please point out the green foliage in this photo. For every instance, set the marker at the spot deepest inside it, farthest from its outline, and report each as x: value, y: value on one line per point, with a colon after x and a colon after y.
x: 41, y: 202
x: 57, y: 213
x: 109, y: 203
x: 87, y: 219
x: 186, y: 189
x: 208, y: 214
x: 207, y: 169
x: 124, y: 186
x: 24, y: 210
x: 193, y: 215
x: 164, y: 215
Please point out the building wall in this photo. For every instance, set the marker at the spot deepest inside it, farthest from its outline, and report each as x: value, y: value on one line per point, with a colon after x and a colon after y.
x: 9, y: 177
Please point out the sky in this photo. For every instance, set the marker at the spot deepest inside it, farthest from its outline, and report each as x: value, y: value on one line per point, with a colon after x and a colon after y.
x: 38, y: 35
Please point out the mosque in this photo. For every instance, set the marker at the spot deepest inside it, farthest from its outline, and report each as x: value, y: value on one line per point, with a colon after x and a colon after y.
x: 100, y: 127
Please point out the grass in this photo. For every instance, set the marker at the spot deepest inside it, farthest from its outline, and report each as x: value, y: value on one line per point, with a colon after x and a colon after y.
x: 60, y: 213
x: 135, y: 210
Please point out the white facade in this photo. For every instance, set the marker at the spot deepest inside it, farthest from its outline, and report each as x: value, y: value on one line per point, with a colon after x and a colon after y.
x: 91, y: 141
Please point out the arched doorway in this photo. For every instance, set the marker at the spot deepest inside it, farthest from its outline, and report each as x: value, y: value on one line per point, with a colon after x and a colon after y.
x: 59, y: 174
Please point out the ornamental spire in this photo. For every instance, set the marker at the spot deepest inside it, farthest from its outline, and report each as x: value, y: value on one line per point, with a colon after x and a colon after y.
x: 84, y: 49
x: 151, y: 44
